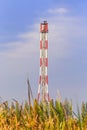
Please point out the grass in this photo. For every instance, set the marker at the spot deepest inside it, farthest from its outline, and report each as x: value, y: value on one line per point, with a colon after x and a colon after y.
x: 43, y: 116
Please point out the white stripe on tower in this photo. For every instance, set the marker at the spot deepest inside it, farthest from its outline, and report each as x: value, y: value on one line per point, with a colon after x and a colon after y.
x: 46, y: 35
x: 41, y: 53
x: 45, y: 71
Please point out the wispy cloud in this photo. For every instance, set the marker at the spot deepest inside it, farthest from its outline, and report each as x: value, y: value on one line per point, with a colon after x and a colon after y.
x: 58, y: 11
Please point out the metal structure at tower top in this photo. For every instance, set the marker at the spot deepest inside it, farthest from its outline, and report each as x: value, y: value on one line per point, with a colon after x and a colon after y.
x: 43, y: 94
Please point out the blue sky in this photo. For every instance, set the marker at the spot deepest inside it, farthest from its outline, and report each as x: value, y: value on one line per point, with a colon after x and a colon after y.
x: 19, y: 47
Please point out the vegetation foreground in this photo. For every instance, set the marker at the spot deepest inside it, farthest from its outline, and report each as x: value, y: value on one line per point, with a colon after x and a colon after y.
x: 43, y: 116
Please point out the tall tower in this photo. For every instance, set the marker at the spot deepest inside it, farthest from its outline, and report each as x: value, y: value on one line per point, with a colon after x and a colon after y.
x: 43, y: 94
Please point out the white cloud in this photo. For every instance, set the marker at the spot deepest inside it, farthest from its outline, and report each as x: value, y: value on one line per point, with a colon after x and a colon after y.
x: 58, y: 11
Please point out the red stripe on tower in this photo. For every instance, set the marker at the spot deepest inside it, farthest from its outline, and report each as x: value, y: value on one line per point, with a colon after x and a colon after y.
x: 44, y: 62
x: 45, y: 46
x: 46, y: 79
x: 44, y: 27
